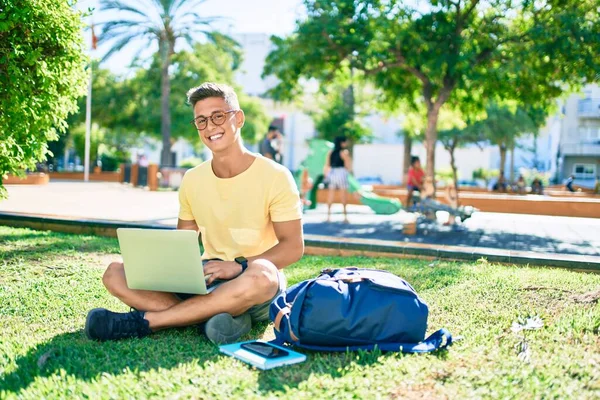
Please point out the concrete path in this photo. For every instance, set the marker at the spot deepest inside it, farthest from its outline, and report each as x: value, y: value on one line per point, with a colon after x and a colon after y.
x: 117, y: 202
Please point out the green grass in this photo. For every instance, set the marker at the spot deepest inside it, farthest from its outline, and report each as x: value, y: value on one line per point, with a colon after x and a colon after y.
x: 49, y: 281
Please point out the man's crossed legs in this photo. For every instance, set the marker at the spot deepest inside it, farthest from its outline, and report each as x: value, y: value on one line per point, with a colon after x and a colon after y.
x: 227, y: 309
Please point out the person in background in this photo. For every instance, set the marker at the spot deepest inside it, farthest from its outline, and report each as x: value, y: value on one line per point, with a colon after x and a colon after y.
x: 415, y: 179
x: 143, y: 161
x: 338, y: 164
x: 521, y: 185
x: 306, y: 185
x: 569, y: 183
x: 537, y: 187
x: 500, y: 185
x: 277, y: 144
x: 597, y: 185
x: 266, y: 148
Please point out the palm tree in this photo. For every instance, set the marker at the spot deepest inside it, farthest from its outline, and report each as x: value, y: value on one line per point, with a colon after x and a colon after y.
x: 165, y: 22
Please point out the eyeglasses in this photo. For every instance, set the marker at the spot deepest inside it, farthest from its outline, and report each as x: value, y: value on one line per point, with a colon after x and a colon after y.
x: 217, y: 118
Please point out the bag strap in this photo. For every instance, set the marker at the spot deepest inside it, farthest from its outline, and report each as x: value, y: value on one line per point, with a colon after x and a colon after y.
x: 284, y: 312
x: 437, y: 340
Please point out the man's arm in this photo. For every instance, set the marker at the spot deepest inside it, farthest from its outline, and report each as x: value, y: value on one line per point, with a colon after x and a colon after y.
x: 289, y: 250
x: 290, y: 247
x: 187, y: 225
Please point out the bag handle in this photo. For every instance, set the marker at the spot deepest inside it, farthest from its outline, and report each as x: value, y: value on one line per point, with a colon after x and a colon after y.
x: 284, y: 312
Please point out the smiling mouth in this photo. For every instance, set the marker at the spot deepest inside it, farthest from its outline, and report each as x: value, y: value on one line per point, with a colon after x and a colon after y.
x: 215, y: 137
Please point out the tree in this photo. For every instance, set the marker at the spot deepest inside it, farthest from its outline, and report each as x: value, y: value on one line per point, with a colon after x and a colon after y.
x: 462, y: 52
x: 96, y: 138
x: 504, y: 125
x: 455, y: 138
x: 205, y: 62
x: 412, y: 129
x: 164, y: 22
x: 336, y: 113
x: 42, y: 72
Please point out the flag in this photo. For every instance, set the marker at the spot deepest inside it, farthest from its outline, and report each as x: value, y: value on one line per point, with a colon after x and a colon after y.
x: 94, y: 39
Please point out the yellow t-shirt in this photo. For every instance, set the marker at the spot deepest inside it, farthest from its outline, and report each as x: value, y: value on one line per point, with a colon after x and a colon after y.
x: 236, y: 215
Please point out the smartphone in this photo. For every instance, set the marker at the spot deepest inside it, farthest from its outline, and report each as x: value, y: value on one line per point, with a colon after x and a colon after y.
x: 265, y: 350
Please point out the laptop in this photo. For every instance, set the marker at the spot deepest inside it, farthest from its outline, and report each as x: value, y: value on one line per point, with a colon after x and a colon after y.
x: 162, y: 260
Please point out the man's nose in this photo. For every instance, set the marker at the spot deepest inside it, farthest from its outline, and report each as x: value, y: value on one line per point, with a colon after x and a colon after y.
x: 210, y: 125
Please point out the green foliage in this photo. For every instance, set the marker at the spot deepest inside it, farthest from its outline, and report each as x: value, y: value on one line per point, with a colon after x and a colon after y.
x: 425, y: 55
x: 206, y: 62
x: 42, y: 72
x: 113, y: 102
x: 504, y: 124
x: 444, y: 174
x: 338, y: 118
x: 257, y: 119
x: 96, y: 138
x: 50, y: 281
x: 485, y: 174
x: 190, y: 162
x: 111, y: 162
x: 163, y: 22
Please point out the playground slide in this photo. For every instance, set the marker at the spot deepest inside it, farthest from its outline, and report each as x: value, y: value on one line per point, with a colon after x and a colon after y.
x: 381, y: 205
x: 313, y: 165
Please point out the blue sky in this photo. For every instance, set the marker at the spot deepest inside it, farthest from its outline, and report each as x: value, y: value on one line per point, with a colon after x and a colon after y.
x: 243, y: 16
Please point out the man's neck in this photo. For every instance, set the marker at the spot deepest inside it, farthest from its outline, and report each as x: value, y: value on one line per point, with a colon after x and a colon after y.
x: 232, y: 161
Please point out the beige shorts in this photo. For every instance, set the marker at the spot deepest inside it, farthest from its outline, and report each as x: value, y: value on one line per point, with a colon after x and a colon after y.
x: 259, y: 312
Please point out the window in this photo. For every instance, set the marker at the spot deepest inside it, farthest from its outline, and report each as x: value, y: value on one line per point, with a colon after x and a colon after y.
x: 584, y: 171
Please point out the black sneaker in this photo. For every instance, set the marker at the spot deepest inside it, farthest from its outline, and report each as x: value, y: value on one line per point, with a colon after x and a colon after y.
x: 102, y: 324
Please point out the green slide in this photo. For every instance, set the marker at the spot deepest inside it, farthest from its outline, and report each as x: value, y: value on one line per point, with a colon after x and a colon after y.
x: 381, y: 205
x: 314, y: 163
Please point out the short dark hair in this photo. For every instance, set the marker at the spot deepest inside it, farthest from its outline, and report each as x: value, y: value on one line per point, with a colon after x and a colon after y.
x: 414, y: 159
x: 211, y: 89
x: 272, y: 128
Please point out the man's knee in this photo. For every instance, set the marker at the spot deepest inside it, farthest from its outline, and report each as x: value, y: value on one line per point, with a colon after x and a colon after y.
x: 113, y: 277
x: 264, y: 279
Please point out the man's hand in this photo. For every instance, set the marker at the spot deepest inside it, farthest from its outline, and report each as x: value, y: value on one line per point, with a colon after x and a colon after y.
x: 224, y: 270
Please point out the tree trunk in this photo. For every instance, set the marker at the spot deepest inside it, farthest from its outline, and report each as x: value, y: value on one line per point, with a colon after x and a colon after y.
x: 431, y: 140
x: 502, y: 158
x: 512, y: 164
x: 66, y: 158
x: 454, y: 170
x: 349, y: 100
x: 165, y: 126
x: 407, y: 155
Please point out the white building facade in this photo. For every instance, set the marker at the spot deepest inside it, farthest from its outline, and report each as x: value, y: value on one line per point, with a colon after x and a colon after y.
x: 579, y: 143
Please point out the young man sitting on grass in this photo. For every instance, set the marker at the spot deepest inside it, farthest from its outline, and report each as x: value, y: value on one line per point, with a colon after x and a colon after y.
x: 246, y: 208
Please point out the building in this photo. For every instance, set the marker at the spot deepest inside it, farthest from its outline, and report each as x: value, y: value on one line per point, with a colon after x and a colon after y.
x: 579, y: 144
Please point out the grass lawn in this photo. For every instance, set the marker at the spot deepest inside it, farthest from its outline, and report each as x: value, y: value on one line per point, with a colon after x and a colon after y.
x: 49, y: 281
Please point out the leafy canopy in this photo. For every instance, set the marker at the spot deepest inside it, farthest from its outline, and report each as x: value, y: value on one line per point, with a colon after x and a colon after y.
x: 42, y: 72
x: 205, y: 62
x: 464, y: 53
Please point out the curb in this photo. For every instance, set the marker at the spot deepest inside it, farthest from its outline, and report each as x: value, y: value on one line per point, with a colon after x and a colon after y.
x: 327, y: 245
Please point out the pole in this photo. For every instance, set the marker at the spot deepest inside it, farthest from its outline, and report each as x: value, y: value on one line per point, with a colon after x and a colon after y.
x: 88, y: 129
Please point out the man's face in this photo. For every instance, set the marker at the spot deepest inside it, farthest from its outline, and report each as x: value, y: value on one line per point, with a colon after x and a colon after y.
x: 218, y: 137
x: 417, y: 164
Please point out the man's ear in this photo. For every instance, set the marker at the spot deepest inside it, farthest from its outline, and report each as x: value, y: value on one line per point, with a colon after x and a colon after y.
x: 240, y: 119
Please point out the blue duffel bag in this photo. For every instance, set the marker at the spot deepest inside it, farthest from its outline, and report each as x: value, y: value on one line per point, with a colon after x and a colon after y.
x: 351, y: 309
